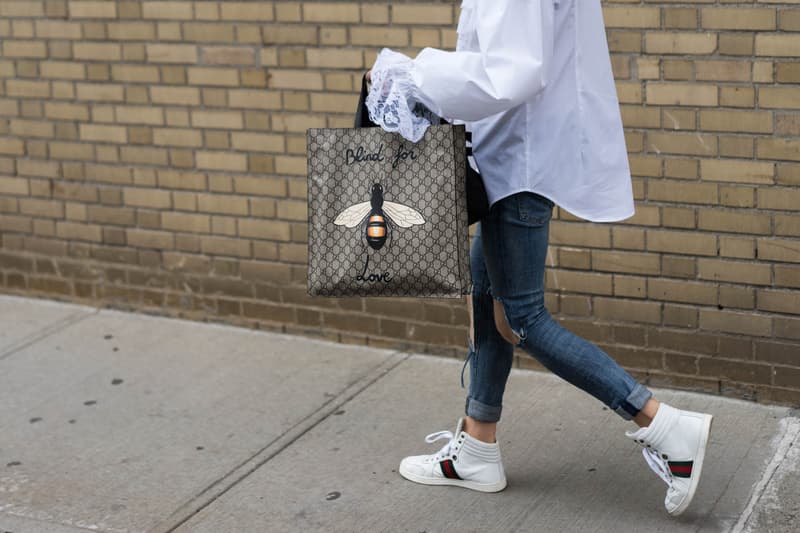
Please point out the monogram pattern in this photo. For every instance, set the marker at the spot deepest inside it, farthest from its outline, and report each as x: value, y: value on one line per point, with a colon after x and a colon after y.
x: 429, y: 259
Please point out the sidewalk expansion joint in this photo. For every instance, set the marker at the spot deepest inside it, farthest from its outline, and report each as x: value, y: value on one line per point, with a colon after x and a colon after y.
x: 47, y: 331
x: 788, y: 437
x: 216, y: 489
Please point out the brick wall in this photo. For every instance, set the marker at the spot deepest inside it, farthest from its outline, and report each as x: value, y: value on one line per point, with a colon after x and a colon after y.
x: 152, y: 157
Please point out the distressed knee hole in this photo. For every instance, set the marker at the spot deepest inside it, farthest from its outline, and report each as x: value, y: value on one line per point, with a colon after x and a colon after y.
x: 502, y: 325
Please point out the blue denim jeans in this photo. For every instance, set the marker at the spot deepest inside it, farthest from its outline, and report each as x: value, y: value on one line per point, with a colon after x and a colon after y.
x: 507, y: 260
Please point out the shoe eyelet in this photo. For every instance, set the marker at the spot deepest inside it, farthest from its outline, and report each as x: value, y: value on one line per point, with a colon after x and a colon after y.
x: 454, y: 458
x: 664, y: 456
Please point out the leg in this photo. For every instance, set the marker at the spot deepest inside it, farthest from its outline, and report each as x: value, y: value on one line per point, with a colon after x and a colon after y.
x: 490, y: 356
x: 515, y: 239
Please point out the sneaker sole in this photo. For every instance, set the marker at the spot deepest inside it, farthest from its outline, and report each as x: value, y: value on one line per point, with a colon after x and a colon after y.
x: 481, y: 487
x: 697, y: 468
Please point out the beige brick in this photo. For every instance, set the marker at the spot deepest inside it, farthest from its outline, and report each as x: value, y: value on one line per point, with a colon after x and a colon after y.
x: 334, y: 58
x: 97, y: 133
x: 736, y: 96
x: 692, y: 193
x: 97, y: 51
x: 41, y: 208
x: 374, y: 14
x: 368, y: 36
x: 776, y: 148
x: 31, y: 128
x: 167, y: 10
x: 737, y: 171
x: 11, y: 146
x: 627, y: 310
x: 208, y: 33
x: 681, y: 143
x: 213, y: 76
x: 295, y: 79
x: 227, y: 55
x: 265, y: 229
x: 777, y: 45
x: 79, y: 232
x: 631, y: 17
x: 62, y: 70
x: 247, y: 11
x: 222, y: 204
x: 779, y: 97
x: 96, y: 92
x: 736, y: 44
x: 217, y: 119
x: 152, y: 116
x: 27, y: 89
x: 779, y: 301
x: 24, y: 49
x: 254, y: 99
x: 334, y: 103
x: 738, y: 18
x: 21, y: 8
x: 690, y: 94
x: 682, y: 291
x: 737, y: 323
x: 142, y: 238
x: 186, y: 222
x: 132, y: 31
x: 93, y: 9
x: 734, y: 221
x: 135, y: 73
x: 680, y: 43
x: 723, y: 70
x: 779, y: 198
x: 257, y: 142
x: 143, y: 155
x: 221, y: 161
x: 630, y: 262
x: 422, y: 14
x: 784, y: 250
x: 16, y: 186
x: 150, y: 198
x: 330, y: 12
x: 172, y: 53
x: 175, y: 95
x: 288, y: 34
x: 734, y: 271
x: 177, y: 137
x: 681, y: 242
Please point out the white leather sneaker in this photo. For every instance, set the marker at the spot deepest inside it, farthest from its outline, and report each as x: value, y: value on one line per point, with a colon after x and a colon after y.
x: 464, y: 462
x: 675, y: 448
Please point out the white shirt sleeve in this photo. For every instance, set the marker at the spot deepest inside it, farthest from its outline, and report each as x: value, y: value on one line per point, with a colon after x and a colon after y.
x: 515, y: 45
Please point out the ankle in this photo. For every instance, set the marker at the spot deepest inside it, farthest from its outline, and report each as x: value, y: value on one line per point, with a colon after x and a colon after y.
x: 482, y: 431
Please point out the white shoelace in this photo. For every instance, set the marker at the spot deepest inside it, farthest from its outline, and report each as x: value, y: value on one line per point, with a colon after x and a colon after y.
x: 658, y: 465
x: 445, y: 451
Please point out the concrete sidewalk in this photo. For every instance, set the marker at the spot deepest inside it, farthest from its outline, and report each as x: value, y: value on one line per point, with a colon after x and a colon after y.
x: 117, y: 422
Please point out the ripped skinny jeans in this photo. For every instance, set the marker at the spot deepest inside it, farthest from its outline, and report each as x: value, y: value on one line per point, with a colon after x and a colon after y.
x: 507, y: 260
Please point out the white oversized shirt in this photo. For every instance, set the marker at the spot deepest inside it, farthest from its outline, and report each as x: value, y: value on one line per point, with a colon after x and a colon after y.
x: 532, y: 80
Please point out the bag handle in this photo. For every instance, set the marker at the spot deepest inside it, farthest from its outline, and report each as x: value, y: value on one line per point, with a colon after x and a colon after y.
x: 362, y: 113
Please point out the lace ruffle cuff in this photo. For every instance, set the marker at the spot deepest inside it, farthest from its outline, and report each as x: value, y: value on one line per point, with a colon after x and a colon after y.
x: 391, y: 100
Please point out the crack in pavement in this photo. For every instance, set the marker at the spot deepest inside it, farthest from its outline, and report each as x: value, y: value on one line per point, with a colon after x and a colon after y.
x: 47, y: 331
x: 215, y: 490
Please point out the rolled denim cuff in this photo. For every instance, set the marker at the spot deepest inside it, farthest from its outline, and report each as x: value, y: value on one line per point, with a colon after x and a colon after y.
x: 481, y: 411
x: 634, y: 403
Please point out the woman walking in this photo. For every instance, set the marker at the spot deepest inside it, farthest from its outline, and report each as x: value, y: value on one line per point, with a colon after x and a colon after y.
x: 532, y: 80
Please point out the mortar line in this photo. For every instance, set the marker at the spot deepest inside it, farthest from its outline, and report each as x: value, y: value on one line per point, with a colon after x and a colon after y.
x: 215, y: 490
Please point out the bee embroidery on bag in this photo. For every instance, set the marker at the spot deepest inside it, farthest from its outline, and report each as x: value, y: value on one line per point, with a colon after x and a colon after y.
x: 380, y: 215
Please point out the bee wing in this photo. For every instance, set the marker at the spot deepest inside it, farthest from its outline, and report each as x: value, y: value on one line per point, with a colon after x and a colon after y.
x: 351, y: 216
x: 402, y: 215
